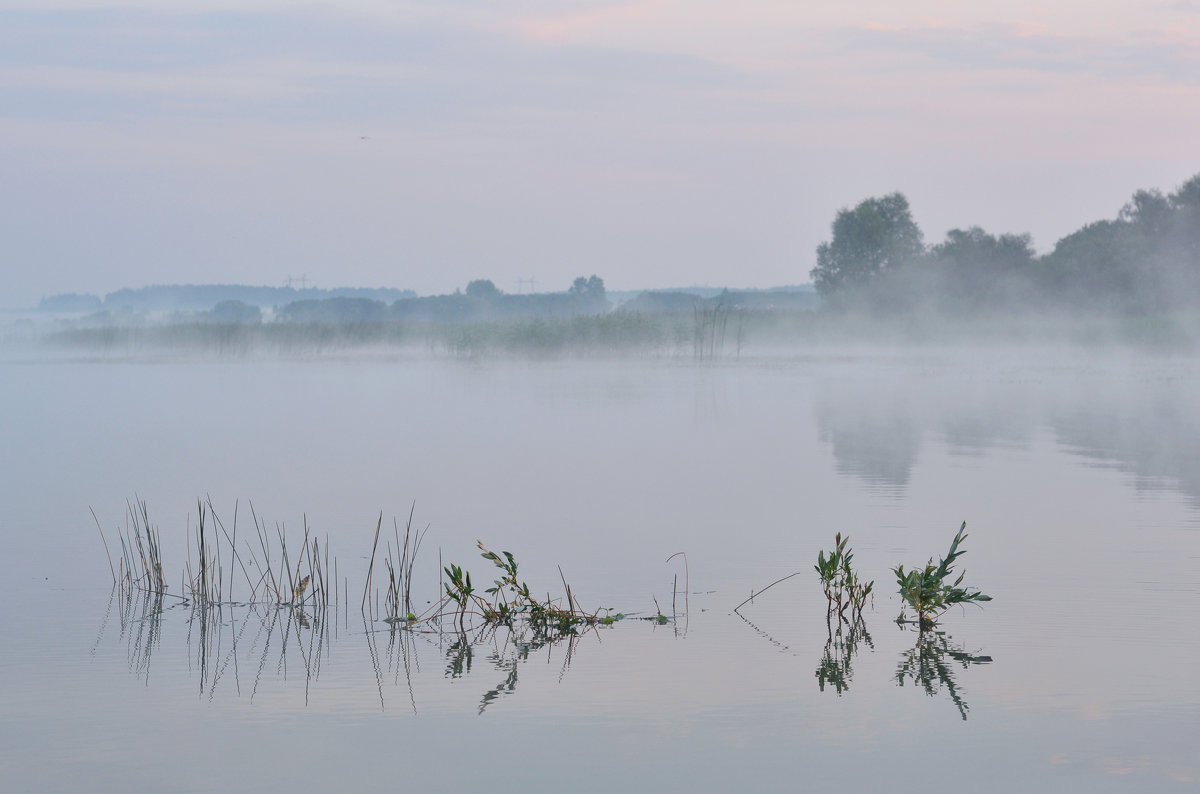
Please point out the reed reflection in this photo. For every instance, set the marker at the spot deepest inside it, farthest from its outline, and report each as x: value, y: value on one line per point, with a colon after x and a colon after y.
x: 140, y: 616
x: 282, y: 639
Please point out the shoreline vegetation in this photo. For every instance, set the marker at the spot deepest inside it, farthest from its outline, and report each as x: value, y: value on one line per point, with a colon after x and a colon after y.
x: 1132, y: 280
x: 714, y: 332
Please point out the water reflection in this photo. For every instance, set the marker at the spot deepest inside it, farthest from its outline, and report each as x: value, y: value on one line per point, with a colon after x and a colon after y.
x: 930, y: 662
x: 240, y: 648
x: 835, y: 668
x: 872, y: 436
x: 508, y: 647
x: 508, y: 658
x: 141, y: 626
x: 1152, y: 435
x: 459, y: 656
x: 285, y: 638
x: 1144, y: 424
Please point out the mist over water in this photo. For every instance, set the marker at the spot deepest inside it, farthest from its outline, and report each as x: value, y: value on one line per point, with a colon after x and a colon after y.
x: 1073, y: 468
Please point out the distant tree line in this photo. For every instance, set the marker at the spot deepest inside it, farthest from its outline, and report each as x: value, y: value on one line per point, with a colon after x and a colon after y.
x: 760, y: 300
x: 1146, y: 260
x: 481, y: 301
x: 203, y: 297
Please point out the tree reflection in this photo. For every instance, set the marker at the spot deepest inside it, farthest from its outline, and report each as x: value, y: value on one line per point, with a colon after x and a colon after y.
x: 874, y: 435
x: 930, y: 664
x: 876, y: 427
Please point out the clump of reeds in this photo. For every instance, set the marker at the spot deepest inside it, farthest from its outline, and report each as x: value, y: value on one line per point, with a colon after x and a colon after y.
x: 281, y: 579
x: 302, y: 582
x: 400, y: 561
x: 140, y: 563
x: 708, y: 338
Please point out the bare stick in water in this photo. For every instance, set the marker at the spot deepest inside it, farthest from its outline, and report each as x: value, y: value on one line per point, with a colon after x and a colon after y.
x: 687, y: 581
x: 765, y: 589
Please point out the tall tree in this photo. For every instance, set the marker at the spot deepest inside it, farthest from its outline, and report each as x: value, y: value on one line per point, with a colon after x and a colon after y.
x: 590, y: 293
x: 878, y: 235
x: 483, y: 288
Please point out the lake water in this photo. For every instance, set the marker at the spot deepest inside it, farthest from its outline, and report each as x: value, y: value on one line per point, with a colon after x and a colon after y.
x: 1078, y: 474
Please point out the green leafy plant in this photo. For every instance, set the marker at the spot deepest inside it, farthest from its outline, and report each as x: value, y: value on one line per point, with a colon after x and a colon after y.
x: 843, y: 589
x: 512, y: 595
x: 459, y: 589
x: 928, y: 590
x: 510, y: 600
x: 514, y: 598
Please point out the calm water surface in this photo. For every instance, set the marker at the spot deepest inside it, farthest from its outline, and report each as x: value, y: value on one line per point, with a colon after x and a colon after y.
x: 1078, y: 475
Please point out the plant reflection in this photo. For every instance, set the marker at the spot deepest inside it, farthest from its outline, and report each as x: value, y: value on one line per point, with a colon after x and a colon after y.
x: 459, y: 657
x: 215, y: 638
x: 141, y: 626
x: 841, y: 646
x: 515, y: 649
x: 244, y: 647
x: 930, y: 662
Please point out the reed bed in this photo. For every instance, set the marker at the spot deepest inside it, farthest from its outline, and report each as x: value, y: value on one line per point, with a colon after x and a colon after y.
x: 264, y: 568
x: 270, y: 570
x: 257, y: 604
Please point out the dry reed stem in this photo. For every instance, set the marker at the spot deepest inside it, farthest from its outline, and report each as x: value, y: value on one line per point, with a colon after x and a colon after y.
x: 687, y: 581
x: 105, y: 542
x: 371, y: 565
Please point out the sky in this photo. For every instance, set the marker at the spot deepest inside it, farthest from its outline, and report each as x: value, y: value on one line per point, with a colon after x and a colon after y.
x: 654, y: 143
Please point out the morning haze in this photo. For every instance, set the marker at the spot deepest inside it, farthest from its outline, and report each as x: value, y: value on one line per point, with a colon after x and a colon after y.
x: 599, y: 395
x: 656, y: 144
